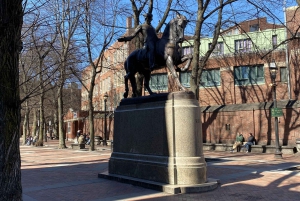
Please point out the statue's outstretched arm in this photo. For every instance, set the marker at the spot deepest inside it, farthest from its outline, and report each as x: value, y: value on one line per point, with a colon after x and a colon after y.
x: 125, y: 38
x: 129, y: 38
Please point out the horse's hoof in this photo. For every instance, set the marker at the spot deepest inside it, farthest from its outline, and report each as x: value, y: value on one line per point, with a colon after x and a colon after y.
x: 178, y: 69
x: 184, y: 89
x: 127, y: 76
x: 125, y: 95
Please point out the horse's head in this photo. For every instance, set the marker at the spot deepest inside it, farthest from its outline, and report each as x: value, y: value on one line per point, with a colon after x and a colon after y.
x: 178, y: 27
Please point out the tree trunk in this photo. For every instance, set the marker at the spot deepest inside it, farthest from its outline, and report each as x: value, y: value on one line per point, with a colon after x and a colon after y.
x: 62, y: 143
x: 34, y: 123
x: 11, y: 16
x: 91, y: 111
x: 41, y: 121
x: 194, y: 82
x: 55, y: 125
x: 92, y: 130
x: 25, y: 123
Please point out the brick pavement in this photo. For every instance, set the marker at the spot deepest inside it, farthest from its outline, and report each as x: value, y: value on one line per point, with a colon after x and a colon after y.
x: 50, y: 174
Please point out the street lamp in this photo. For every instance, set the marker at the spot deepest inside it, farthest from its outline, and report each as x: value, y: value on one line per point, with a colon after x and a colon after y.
x: 105, y: 100
x: 273, y: 71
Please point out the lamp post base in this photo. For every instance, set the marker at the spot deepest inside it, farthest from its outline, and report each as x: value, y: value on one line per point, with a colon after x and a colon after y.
x: 278, y: 154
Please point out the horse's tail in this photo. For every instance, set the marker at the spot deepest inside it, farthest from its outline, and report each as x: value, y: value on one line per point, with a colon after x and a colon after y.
x: 126, y: 77
x: 131, y: 66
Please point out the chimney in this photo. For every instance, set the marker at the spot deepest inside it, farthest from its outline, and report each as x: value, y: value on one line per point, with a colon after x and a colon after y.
x: 129, y: 23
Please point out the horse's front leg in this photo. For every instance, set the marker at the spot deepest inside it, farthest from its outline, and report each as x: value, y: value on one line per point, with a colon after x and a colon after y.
x: 126, y: 87
x: 133, y: 86
x: 188, y: 57
x: 171, y: 67
x: 147, y: 76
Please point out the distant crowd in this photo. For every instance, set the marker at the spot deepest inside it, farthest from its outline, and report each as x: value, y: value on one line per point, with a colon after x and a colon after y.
x: 82, y: 138
x: 31, y: 140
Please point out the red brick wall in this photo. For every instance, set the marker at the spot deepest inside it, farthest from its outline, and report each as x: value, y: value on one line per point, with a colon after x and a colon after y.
x: 257, y: 122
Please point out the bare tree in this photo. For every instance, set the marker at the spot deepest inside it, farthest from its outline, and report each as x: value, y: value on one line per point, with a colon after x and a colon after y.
x: 67, y: 14
x: 27, y: 84
x: 94, y: 23
x: 38, y: 35
x: 42, y: 48
x: 204, y: 12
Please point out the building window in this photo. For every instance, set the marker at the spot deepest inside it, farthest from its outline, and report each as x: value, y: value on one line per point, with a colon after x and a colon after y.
x: 244, y: 75
x: 185, y: 78
x: 244, y: 45
x: 159, y: 82
x: 254, y: 27
x: 210, y: 78
x: 187, y: 50
x: 235, y: 31
x: 274, y: 41
x: 69, y: 127
x: 283, y: 74
x: 219, y: 49
x: 74, y: 115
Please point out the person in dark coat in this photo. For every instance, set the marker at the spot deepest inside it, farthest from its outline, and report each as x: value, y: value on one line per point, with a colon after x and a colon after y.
x: 150, y: 38
x: 250, y: 141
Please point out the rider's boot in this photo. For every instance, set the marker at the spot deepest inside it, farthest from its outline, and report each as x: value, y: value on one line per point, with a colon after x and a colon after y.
x: 153, y: 67
x: 127, y: 76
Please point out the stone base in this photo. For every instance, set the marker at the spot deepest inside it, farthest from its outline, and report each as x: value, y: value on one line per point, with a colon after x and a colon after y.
x: 78, y: 146
x: 254, y: 148
x: 223, y: 147
x: 158, y: 138
x: 211, y: 184
x: 171, y: 170
x: 209, y: 147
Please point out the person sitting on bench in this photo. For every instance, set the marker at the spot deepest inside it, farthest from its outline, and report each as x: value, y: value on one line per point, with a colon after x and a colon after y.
x: 250, y: 141
x: 238, y: 142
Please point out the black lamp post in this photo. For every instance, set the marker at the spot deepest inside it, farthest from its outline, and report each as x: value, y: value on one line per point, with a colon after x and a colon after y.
x: 105, y: 100
x: 273, y: 71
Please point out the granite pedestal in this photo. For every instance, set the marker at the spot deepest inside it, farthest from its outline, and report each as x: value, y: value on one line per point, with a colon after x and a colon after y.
x: 157, y: 139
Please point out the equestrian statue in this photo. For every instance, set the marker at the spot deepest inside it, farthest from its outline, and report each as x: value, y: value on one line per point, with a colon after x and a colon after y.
x: 156, y: 53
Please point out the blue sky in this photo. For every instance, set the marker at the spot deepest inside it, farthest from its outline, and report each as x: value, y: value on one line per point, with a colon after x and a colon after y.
x: 238, y: 11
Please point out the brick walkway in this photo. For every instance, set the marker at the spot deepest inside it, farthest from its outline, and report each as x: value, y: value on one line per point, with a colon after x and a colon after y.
x: 50, y: 174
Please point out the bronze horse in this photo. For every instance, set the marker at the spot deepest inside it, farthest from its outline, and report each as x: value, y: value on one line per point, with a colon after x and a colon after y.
x: 168, y: 52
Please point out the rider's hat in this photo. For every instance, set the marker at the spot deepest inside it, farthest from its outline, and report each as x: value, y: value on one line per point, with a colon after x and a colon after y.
x: 148, y: 15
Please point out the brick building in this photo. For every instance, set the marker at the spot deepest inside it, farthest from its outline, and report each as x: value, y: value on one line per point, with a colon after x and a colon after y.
x: 241, y: 99
x: 235, y: 92
x: 73, y: 121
